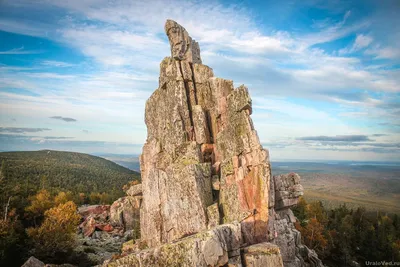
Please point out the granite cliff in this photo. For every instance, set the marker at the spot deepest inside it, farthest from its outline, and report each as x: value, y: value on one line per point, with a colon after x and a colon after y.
x: 208, y: 195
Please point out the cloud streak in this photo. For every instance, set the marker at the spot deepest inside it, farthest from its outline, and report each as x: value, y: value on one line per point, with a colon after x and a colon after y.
x: 22, y: 130
x: 63, y: 118
x: 337, y: 138
x: 19, y: 51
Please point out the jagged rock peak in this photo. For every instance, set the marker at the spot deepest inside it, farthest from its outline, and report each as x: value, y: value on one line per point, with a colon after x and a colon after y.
x: 183, y: 47
x: 202, y: 163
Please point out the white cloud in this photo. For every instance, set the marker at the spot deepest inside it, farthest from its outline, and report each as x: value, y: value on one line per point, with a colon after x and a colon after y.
x: 362, y: 41
x: 19, y: 51
x: 54, y: 63
x: 384, y: 53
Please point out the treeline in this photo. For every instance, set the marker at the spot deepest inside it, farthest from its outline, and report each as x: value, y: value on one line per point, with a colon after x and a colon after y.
x: 344, y: 237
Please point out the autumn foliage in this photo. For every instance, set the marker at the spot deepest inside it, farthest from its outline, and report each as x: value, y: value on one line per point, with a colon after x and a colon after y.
x: 57, y: 232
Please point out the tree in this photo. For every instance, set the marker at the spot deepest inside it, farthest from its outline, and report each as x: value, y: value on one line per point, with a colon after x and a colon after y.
x: 57, y: 233
x: 39, y: 204
x: 11, y: 242
x: 62, y: 198
x: 313, y: 235
x: 300, y: 211
x: 316, y: 210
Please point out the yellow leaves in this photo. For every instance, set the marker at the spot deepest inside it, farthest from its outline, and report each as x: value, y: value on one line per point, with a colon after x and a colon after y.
x: 62, y: 198
x: 57, y: 232
x: 64, y: 215
x: 39, y: 203
x: 3, y: 227
x: 43, y: 201
x: 314, y: 234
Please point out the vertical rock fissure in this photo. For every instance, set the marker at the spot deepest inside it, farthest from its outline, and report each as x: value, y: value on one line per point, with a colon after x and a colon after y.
x: 187, y: 90
x: 160, y: 211
x: 194, y: 84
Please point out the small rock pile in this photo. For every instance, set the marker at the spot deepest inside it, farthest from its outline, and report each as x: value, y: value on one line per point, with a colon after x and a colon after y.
x: 106, y: 227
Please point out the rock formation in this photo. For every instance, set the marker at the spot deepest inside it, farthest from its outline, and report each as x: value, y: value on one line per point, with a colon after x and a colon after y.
x: 105, y: 228
x: 33, y: 262
x: 199, y: 132
x: 284, y: 193
x: 205, y: 176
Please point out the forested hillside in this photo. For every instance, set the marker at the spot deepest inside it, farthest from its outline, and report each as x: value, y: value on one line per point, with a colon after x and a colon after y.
x: 92, y: 178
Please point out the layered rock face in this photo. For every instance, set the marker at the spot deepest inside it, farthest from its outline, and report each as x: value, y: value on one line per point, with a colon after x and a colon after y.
x: 207, y: 197
x: 200, y: 134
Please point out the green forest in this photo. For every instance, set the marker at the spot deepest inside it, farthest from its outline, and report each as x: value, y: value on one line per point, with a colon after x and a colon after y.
x: 92, y: 179
x: 344, y: 237
x: 37, y: 187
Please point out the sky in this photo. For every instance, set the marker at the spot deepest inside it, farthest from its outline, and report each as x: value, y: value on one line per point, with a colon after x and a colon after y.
x: 323, y: 75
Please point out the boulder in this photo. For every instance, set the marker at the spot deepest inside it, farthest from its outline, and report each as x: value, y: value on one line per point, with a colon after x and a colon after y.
x: 33, y: 262
x: 125, y: 212
x: 88, y: 226
x: 99, y: 212
x: 287, y: 190
x: 262, y: 255
x: 134, y: 190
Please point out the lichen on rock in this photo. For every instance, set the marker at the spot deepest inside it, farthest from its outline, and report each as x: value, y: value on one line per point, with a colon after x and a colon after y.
x: 203, y: 165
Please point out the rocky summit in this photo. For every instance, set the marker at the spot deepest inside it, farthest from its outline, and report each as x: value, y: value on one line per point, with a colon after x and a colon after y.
x: 208, y: 195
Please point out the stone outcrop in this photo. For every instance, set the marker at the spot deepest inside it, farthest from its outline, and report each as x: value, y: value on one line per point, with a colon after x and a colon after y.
x: 285, y: 191
x: 33, y: 262
x: 105, y: 228
x: 134, y: 190
x: 100, y: 212
x: 95, y: 217
x: 262, y: 254
x: 206, y: 179
x: 125, y: 212
x: 200, y: 138
x: 182, y: 45
x: 209, y: 248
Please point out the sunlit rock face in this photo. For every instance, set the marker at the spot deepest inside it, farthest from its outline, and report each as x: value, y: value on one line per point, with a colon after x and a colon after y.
x: 200, y: 133
x: 207, y: 194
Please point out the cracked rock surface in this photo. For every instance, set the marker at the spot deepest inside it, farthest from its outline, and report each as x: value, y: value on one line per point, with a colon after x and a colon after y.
x: 206, y: 179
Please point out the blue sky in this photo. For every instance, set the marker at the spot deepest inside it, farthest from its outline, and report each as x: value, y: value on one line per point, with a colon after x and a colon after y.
x: 323, y: 75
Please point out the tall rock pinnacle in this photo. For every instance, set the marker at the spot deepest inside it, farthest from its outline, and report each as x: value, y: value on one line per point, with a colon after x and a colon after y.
x: 199, y: 131
x: 207, y: 197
